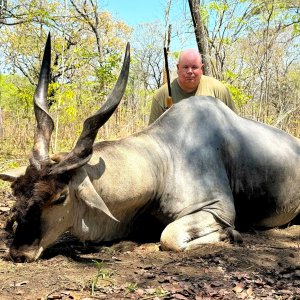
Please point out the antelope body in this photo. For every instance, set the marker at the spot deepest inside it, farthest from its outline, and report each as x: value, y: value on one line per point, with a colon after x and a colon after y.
x: 200, y: 169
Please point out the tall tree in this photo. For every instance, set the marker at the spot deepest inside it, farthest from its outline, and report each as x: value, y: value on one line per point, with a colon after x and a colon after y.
x: 149, y: 54
x: 201, y: 36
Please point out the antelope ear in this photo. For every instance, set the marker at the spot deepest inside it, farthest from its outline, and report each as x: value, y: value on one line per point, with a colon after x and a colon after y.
x: 58, y: 156
x: 13, y: 174
x: 87, y: 193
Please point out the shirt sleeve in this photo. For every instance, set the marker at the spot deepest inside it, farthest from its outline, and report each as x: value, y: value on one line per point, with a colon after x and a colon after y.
x: 224, y: 95
x: 156, y: 110
x: 158, y: 104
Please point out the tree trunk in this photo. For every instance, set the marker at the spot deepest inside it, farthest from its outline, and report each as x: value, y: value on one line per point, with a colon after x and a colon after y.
x: 3, y: 8
x: 201, y: 37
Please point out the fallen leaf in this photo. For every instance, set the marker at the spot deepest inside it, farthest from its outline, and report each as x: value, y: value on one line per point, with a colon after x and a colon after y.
x: 140, y: 292
x: 242, y: 295
x: 55, y: 296
x: 249, y: 291
x: 283, y: 292
x: 150, y: 291
x: 216, y: 284
x: 259, y: 282
x: 199, y: 297
x: 4, y: 209
x: 239, y: 287
x: 180, y: 297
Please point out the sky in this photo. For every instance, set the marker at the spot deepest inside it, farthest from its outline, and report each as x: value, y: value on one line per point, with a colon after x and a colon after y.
x: 135, y: 12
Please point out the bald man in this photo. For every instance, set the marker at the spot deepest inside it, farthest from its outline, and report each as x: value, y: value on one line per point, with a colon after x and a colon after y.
x: 190, y: 82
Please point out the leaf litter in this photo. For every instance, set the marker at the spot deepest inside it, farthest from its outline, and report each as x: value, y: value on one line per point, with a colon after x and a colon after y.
x: 266, y: 266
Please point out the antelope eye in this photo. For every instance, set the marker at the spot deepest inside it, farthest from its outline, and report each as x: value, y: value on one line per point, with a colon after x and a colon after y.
x: 60, y: 200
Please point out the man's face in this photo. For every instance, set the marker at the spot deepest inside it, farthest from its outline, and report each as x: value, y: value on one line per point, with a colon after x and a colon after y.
x: 189, y: 70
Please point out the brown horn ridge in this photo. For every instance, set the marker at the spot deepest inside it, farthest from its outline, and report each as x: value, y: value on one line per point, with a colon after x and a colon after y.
x: 82, y: 151
x: 40, y: 152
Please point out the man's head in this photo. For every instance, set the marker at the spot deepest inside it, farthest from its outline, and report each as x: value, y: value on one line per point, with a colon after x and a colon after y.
x: 189, y: 69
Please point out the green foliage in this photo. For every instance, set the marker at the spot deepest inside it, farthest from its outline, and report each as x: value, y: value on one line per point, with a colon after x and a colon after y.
x: 131, y: 287
x: 15, y: 93
x: 218, y: 6
x: 105, y: 73
x: 102, y: 274
x: 294, y: 76
x: 239, y: 97
x: 158, y: 292
x: 252, y: 47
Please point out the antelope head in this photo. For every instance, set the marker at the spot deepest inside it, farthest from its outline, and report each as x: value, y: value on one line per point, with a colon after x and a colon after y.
x: 43, y: 190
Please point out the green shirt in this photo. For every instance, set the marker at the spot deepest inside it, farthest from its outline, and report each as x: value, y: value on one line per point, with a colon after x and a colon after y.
x: 208, y: 86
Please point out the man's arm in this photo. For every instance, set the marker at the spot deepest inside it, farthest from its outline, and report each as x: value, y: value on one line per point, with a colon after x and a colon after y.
x: 222, y: 92
x: 156, y: 110
x: 158, y: 103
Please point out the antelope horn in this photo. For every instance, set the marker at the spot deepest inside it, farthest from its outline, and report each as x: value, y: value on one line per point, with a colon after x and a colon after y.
x: 82, y: 151
x: 45, y: 125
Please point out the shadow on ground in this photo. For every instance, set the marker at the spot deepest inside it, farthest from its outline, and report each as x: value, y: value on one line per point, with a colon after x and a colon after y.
x: 265, y: 266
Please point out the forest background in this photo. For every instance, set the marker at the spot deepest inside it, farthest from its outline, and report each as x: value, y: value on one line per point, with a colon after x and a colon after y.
x: 253, y: 47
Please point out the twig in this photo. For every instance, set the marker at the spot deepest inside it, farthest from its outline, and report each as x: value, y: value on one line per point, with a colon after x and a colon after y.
x: 153, y: 296
x: 53, y: 291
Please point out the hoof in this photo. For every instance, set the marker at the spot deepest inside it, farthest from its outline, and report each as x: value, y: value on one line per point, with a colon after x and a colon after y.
x: 232, y: 235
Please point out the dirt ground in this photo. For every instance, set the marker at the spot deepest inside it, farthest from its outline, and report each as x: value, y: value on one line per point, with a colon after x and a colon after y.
x: 265, y: 266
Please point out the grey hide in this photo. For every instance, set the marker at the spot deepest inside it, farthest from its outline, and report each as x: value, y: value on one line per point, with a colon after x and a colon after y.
x: 200, y: 168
